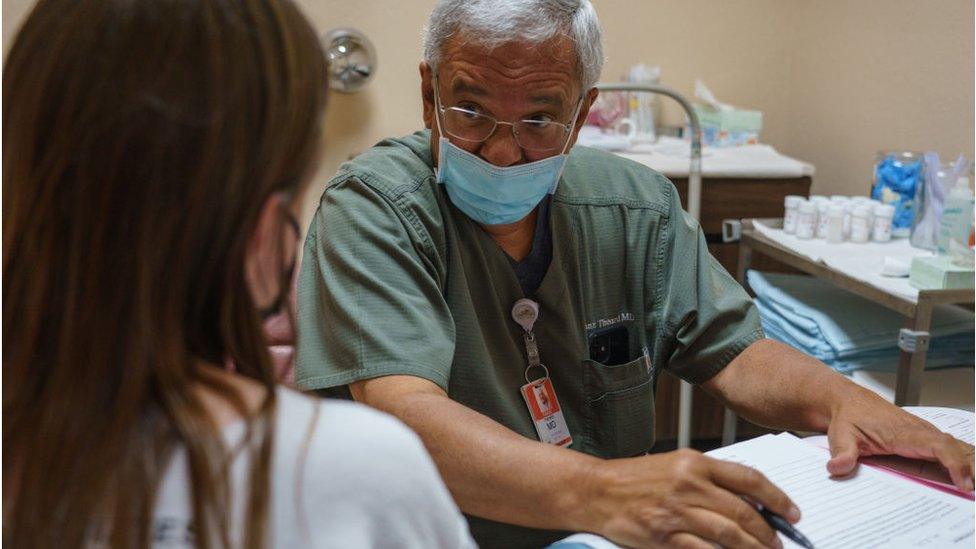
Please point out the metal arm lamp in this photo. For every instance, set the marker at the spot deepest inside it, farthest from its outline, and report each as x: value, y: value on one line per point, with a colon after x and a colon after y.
x: 694, y: 209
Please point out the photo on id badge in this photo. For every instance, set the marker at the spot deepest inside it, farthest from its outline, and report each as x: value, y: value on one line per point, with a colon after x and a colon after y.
x: 542, y: 398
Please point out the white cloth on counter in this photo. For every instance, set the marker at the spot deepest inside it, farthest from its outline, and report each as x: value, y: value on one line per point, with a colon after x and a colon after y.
x: 670, y: 156
x: 863, y: 262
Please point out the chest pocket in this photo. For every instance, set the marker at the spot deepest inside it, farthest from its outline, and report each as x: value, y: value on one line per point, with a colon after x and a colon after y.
x: 619, y: 407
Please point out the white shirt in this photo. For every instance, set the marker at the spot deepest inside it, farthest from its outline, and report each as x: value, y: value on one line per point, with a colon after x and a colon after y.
x: 355, y: 478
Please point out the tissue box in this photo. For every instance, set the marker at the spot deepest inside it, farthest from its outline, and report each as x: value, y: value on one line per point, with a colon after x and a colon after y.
x: 726, y: 128
x: 939, y: 273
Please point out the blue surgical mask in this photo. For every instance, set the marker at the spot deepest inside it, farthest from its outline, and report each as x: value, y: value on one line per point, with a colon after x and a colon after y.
x: 491, y: 195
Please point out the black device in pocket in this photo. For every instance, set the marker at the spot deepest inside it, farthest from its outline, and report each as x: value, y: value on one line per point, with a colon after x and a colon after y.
x: 610, y: 346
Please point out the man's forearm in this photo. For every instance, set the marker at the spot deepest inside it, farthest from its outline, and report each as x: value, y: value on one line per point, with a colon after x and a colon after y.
x: 492, y: 471
x: 775, y: 385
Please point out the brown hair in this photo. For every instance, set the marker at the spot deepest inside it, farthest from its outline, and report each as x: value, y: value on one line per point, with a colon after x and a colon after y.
x: 140, y: 140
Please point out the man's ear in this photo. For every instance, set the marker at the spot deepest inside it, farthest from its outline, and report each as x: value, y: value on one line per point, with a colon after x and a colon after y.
x: 588, y: 101
x: 427, y: 93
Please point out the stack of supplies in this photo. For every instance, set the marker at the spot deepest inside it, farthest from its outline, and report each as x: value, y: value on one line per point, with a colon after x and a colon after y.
x: 848, y: 332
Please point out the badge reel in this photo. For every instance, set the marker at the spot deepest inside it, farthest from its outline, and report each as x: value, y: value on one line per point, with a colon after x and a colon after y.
x: 539, y: 395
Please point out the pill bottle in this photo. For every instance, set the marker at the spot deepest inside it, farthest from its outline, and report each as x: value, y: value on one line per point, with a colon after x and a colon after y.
x: 848, y: 210
x: 838, y: 198
x: 822, y: 207
x: 860, y: 225
x: 792, y: 203
x: 835, y: 224
x: 806, y: 221
x: 883, y: 214
x: 867, y: 202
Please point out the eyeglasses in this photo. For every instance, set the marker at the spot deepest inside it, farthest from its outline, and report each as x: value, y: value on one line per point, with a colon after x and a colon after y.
x: 475, y: 127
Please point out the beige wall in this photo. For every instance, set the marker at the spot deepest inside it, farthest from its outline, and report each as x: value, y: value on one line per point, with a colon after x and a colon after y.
x: 869, y: 75
x: 836, y: 79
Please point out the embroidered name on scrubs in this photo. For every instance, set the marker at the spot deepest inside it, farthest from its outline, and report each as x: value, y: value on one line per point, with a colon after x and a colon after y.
x: 539, y: 395
x: 612, y: 321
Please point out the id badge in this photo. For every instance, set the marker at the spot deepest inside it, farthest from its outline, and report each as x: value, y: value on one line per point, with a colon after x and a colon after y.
x: 547, y: 416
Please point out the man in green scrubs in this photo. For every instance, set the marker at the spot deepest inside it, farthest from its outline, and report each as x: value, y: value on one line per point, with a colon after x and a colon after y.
x: 422, y: 246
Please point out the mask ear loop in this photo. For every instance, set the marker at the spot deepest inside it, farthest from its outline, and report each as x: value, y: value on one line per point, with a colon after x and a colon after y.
x: 440, y: 130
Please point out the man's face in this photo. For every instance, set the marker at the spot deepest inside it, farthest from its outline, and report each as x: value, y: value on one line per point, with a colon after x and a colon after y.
x: 513, y: 82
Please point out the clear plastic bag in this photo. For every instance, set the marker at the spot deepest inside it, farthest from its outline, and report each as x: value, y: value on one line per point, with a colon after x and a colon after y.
x: 930, y: 198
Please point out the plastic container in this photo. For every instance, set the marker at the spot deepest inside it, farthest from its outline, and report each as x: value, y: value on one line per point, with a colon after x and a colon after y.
x: 806, y: 221
x: 838, y: 198
x: 822, y: 207
x: 869, y: 204
x: 643, y: 108
x: 883, y: 214
x: 835, y: 224
x: 860, y: 225
x: 957, y: 217
x: 897, y: 175
x: 792, y: 205
x: 848, y: 210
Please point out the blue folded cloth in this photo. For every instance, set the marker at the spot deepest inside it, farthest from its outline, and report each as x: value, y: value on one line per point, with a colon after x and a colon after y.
x: 848, y: 332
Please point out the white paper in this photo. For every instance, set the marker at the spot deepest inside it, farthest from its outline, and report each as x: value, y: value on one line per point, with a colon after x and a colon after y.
x: 958, y: 423
x: 702, y: 92
x: 867, y: 509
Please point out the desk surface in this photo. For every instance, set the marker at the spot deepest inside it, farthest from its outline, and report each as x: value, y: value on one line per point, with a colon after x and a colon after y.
x: 670, y: 157
x: 895, y: 294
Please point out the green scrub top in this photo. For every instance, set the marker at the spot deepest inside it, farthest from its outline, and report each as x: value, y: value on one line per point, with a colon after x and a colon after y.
x: 396, y: 280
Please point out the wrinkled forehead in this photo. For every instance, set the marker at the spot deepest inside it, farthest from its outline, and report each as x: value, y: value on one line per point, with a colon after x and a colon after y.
x: 514, y: 65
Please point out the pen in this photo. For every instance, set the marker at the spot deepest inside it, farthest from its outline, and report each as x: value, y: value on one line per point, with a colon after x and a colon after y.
x: 783, y: 526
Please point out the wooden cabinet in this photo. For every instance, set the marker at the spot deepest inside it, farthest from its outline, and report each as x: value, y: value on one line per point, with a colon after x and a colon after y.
x: 724, y: 198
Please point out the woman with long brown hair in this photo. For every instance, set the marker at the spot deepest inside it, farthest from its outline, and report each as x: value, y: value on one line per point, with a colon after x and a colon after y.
x: 154, y: 155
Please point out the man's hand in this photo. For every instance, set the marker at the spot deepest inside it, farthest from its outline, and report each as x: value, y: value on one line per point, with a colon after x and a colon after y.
x: 775, y: 385
x: 684, y: 499
x: 867, y: 425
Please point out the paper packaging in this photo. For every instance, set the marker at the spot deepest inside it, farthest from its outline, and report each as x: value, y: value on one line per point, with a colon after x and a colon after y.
x: 724, y: 125
x: 939, y: 273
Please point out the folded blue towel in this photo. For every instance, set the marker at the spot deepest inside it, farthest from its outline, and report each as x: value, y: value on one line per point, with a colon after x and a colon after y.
x: 848, y: 332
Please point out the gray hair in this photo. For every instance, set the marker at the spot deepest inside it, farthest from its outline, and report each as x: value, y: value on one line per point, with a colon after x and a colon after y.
x: 495, y: 22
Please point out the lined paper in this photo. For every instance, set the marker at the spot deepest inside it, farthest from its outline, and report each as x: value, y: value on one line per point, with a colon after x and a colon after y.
x: 868, y: 509
x: 958, y: 423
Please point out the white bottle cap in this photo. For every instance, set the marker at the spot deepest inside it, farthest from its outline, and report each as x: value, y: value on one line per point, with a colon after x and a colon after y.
x: 861, y: 211
x: 838, y: 198
x: 835, y: 210
x: 808, y: 207
x: 792, y: 200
